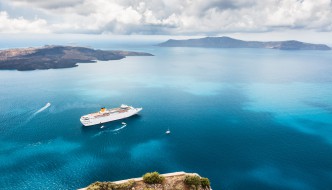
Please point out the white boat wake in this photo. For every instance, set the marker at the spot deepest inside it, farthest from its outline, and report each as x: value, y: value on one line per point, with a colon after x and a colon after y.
x: 110, y: 131
x: 118, y: 129
x: 34, y: 114
x: 43, y: 108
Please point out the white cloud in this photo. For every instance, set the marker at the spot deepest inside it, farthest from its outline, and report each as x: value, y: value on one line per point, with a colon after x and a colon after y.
x: 300, y: 14
x: 48, y: 4
x: 19, y: 25
x: 180, y: 16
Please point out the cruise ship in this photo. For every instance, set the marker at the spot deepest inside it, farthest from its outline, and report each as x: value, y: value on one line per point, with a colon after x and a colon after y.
x: 107, y: 115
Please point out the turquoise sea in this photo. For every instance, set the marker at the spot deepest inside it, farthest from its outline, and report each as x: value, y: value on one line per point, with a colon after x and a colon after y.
x: 245, y: 118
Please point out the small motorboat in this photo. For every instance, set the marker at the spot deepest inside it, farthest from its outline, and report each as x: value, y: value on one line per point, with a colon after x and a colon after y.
x: 123, y: 123
x: 102, y: 126
x: 168, y: 132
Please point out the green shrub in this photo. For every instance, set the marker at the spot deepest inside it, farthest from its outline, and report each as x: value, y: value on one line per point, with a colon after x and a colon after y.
x: 101, y: 186
x: 153, y: 178
x: 192, y: 180
x: 124, y: 186
x: 205, y: 182
x: 111, y: 186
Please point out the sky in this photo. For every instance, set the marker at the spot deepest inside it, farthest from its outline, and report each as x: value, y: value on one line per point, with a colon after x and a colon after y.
x: 310, y: 19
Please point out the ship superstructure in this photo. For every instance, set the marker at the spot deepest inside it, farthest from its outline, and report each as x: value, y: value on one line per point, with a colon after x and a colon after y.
x: 107, y: 115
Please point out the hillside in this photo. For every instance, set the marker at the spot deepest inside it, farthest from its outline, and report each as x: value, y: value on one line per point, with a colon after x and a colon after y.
x: 227, y: 42
x: 55, y: 57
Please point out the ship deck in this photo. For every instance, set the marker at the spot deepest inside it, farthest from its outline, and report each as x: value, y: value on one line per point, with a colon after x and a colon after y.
x: 108, y: 112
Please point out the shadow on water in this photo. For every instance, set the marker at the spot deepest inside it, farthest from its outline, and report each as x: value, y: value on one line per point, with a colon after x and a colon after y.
x: 46, y: 162
x: 320, y: 105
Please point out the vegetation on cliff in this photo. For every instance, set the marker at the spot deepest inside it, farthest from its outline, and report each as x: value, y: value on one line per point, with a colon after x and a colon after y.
x: 111, y: 186
x: 153, y: 178
x: 195, y: 182
x: 155, y: 181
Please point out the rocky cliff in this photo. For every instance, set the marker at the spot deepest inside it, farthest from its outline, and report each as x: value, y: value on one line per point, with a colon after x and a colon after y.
x: 171, y: 181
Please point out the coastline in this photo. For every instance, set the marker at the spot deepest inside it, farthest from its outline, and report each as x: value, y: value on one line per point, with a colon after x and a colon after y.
x: 57, y: 57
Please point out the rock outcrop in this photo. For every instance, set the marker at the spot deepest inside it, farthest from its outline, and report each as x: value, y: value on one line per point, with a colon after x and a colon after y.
x: 172, y: 181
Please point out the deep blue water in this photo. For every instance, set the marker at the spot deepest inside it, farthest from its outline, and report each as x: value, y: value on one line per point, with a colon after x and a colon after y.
x: 245, y: 118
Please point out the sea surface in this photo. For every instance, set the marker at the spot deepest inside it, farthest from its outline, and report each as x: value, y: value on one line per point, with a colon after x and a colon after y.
x: 245, y: 118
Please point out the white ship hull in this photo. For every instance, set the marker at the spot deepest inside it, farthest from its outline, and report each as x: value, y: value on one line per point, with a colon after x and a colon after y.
x: 109, y: 115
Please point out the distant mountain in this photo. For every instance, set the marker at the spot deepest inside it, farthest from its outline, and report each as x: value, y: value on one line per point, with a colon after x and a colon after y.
x: 227, y: 42
x: 55, y: 57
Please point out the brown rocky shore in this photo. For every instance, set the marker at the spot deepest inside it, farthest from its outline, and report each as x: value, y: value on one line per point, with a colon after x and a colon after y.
x: 55, y: 57
x: 154, y: 181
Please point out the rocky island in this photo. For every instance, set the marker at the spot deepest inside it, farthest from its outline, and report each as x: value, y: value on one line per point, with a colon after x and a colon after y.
x: 227, y: 42
x: 155, y: 181
x: 55, y: 57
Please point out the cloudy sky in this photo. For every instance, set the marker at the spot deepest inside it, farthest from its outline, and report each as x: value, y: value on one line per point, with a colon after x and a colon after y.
x: 164, y: 17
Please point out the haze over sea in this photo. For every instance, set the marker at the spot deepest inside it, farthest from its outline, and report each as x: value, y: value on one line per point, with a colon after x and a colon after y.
x: 245, y: 118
